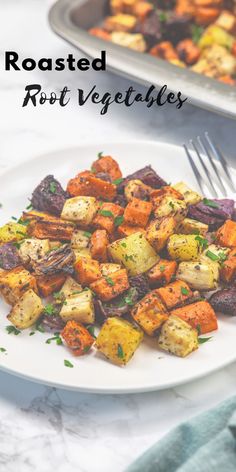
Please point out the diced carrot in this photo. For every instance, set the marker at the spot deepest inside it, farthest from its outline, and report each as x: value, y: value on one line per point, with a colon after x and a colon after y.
x: 150, y: 313
x: 164, y: 50
x: 185, y: 7
x: 108, y: 165
x: 199, y: 315
x: 77, y: 337
x: 166, y: 191
x: 110, y: 287
x: 142, y: 9
x: 174, y: 294
x: 99, y: 242
x: 87, y: 184
x: 137, y: 212
x: 228, y: 268
x: 100, y: 33
x: 87, y: 271
x: 227, y: 79
x: 47, y: 284
x: 162, y: 273
x: 226, y: 234
x: 125, y: 230
x: 106, y: 217
x: 204, y: 16
x: 188, y: 51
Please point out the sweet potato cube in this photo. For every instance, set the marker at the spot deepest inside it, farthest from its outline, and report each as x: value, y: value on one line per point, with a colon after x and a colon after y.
x: 228, y: 268
x: 150, y: 313
x: 77, y: 338
x: 162, y: 273
x: 226, y: 234
x: 87, y: 271
x: 118, y: 340
x: 126, y: 230
x: 108, y: 165
x: 159, y: 231
x: 137, y: 212
x: 111, y: 286
x: 178, y: 337
x: 99, y: 242
x: 87, y: 184
x: 48, y: 284
x: 106, y: 216
x: 13, y: 283
x: 174, y: 294
x: 199, y: 315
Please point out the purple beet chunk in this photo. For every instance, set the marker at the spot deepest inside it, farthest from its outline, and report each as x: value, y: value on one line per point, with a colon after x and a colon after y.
x: 150, y: 27
x: 224, y: 301
x: 49, y: 196
x: 147, y: 175
x: 140, y: 283
x: 213, y: 216
x: 9, y: 257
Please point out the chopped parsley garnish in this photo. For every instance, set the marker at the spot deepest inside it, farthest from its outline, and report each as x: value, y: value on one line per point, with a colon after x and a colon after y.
x: 118, y: 181
x: 196, y: 33
x: 91, y: 329
x: 49, y: 309
x: 14, y: 218
x: 118, y: 220
x: 52, y: 187
x: 17, y: 245
x: 162, y: 16
x: 0, y: 205
x: 87, y: 234
x: 212, y: 256
x: 23, y: 222
x: 100, y: 154
x: 110, y: 281
x: 202, y: 241
x: 2, y: 349
x: 120, y: 352
x: 106, y: 213
x: 222, y: 257
x: 20, y: 232
x: 172, y: 205
x: 67, y: 363
x: 58, y: 295
x: 12, y: 330
x: 123, y: 244
x: 56, y: 338
x: 204, y: 340
x: 29, y: 207
x: 210, y: 203
x: 31, y: 333
x: 184, y: 291
x: 162, y: 268
x: 198, y: 328
x: 86, y: 348
x: 39, y: 327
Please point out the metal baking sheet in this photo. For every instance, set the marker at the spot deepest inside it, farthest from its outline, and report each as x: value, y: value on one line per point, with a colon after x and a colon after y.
x: 70, y: 19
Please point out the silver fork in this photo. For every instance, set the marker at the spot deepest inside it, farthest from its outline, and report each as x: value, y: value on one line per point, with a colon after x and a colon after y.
x: 214, y: 175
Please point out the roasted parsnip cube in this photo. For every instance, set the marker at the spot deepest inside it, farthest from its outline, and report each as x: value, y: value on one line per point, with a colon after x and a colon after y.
x: 215, y: 35
x: 189, y: 226
x: 80, y: 209
x: 12, y: 232
x: 32, y: 250
x: 215, y: 253
x: 109, y: 268
x: 132, y: 41
x: 13, y: 283
x: 199, y: 275
x: 68, y: 289
x: 170, y: 206
x: 190, y: 196
x: 118, y: 340
x: 26, y: 311
x: 79, y: 307
x: 80, y: 239
x: 82, y: 253
x: 227, y: 21
x: 121, y: 22
x: 159, y: 231
x: 150, y: 313
x: 134, y: 252
x: 184, y: 247
x: 136, y: 189
x: 178, y: 337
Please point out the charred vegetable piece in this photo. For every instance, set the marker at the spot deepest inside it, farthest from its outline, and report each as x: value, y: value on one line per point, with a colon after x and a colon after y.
x: 26, y: 311
x: 147, y: 175
x: 52, y: 322
x: 33, y: 250
x: 159, y: 231
x: 212, y: 212
x: 224, y: 301
x: 45, y: 226
x: 58, y: 260
x: 116, y: 307
x: 178, y: 337
x: 150, y: 313
x: 77, y: 338
x: 199, y: 315
x: 140, y: 284
x: 137, y: 189
x: 9, y: 257
x: 118, y: 340
x: 49, y: 196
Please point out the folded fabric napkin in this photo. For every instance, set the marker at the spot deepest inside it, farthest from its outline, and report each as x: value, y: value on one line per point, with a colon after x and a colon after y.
x: 206, y: 443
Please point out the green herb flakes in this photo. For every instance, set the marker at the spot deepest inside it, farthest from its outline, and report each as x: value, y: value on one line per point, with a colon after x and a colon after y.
x: 110, y: 281
x: 118, y: 181
x: 118, y: 220
x: 184, y: 291
x: 212, y: 256
x: 210, y: 203
x: 68, y: 363
x: 204, y: 340
x: 120, y: 352
x: 12, y: 330
x: 52, y: 187
x: 106, y: 213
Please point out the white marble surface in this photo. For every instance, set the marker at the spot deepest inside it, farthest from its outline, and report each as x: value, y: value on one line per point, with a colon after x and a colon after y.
x: 43, y: 428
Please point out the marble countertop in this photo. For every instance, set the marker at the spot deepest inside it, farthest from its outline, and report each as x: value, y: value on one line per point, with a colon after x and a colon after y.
x: 42, y: 428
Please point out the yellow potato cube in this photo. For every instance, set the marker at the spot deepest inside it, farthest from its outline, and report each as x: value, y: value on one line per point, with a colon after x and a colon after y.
x: 178, y: 337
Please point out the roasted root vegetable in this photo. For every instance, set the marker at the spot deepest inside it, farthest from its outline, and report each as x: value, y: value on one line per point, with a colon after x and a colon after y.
x: 118, y: 340
x: 49, y: 196
x: 150, y: 313
x: 44, y: 226
x: 159, y: 231
x: 170, y: 206
x: 199, y: 275
x: 190, y: 196
x: 108, y: 165
x: 174, y: 294
x: 124, y: 230
x: 228, y: 268
x: 48, y: 284
x: 199, y: 315
x: 77, y: 338
x: 226, y: 234
x: 131, y: 41
x: 98, y: 245
x: 137, y: 189
x: 87, y: 184
x: 9, y: 256
x: 134, y: 252
x: 32, y: 250
x: 183, y: 247
x: 12, y: 232
x: 80, y: 210
x: 224, y: 301
x: 87, y: 271
x: 190, y: 226
x: 108, y: 217
x: 162, y: 273
x: 26, y: 311
x: 178, y: 337
x: 13, y: 283
x: 109, y: 268
x: 80, y: 239
x: 137, y: 212
x: 109, y: 287
x: 78, y: 307
x: 69, y: 288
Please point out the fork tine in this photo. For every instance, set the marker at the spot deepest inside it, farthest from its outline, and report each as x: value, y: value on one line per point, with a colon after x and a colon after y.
x: 195, y: 170
x: 209, y: 183
x: 205, y: 149
x: 222, y: 160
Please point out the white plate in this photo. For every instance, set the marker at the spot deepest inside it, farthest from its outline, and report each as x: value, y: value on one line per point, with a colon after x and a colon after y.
x: 150, y: 369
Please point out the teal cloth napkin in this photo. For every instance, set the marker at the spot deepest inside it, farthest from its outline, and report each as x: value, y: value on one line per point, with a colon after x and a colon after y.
x: 205, y: 443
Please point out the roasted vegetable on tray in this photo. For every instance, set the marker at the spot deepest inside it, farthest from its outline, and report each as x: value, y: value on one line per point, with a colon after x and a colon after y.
x: 198, y: 34
x: 129, y: 257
